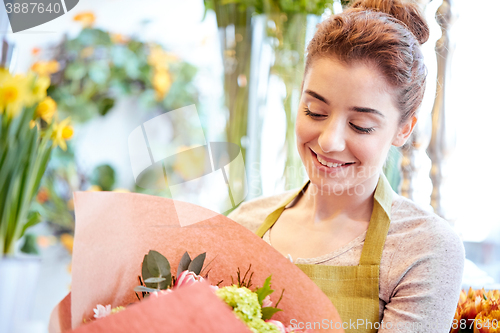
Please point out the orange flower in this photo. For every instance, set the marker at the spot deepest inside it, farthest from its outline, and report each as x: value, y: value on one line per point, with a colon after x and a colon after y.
x: 87, y: 19
x: 42, y: 195
x: 45, y: 68
x: 478, y: 308
x: 118, y: 38
x: 67, y: 241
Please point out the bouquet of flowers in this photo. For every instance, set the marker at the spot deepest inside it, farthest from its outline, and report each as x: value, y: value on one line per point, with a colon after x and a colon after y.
x: 478, y: 311
x: 254, y: 308
x: 114, y: 230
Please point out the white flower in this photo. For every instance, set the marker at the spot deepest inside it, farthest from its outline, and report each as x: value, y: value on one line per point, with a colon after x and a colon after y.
x: 101, y: 311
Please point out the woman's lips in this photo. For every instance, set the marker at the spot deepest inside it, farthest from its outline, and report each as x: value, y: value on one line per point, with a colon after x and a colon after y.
x: 330, y: 160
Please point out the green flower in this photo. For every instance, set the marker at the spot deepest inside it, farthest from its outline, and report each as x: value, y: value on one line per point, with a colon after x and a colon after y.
x: 245, y: 304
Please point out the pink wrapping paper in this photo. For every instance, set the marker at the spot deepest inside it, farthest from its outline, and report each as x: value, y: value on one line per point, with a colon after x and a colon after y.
x: 192, y: 309
x: 115, y: 230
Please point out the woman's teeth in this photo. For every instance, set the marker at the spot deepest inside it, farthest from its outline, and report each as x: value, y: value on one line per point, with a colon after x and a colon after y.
x: 329, y: 164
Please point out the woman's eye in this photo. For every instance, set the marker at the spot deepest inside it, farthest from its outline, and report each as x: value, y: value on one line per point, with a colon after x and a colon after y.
x: 363, y: 130
x: 312, y: 114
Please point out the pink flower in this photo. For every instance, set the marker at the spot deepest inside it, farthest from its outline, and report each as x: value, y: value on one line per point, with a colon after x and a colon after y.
x: 187, y: 278
x: 100, y: 311
x: 161, y: 292
x: 267, y: 302
x: 278, y: 324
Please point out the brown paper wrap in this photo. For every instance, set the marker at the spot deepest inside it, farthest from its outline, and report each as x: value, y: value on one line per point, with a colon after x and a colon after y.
x: 115, y: 230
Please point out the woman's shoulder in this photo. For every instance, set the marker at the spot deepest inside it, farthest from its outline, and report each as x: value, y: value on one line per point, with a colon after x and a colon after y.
x: 251, y: 214
x: 419, y: 227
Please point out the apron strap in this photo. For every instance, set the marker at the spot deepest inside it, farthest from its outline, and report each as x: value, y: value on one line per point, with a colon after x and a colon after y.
x: 273, y: 217
x: 379, y: 224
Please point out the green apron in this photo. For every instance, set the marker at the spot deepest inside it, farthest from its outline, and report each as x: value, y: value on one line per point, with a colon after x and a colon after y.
x: 354, y: 290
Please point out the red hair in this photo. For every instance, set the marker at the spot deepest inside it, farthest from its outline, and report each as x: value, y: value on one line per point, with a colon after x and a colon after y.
x: 385, y: 33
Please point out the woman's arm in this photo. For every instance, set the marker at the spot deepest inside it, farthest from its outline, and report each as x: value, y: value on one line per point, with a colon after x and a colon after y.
x: 426, y: 272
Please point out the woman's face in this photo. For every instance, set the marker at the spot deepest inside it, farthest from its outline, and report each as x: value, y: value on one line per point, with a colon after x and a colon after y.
x: 346, y: 123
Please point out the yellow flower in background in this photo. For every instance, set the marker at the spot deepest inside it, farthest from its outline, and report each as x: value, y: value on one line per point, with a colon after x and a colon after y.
x: 45, y: 68
x: 189, y: 164
x: 46, y: 109
x: 95, y: 188
x: 4, y: 74
x: 14, y: 93
x: 62, y: 133
x: 87, y: 19
x: 121, y: 190
x: 159, y: 58
x: 67, y: 241
x: 38, y: 89
x: 161, y: 83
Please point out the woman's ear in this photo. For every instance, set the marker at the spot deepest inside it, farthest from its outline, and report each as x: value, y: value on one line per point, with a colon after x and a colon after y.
x: 404, y: 132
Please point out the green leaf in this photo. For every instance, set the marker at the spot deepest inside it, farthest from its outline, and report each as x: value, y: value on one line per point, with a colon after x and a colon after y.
x: 155, y: 280
x: 99, y: 72
x: 75, y: 71
x: 29, y: 245
x: 159, y: 266
x: 145, y: 272
x: 33, y: 219
x: 197, y: 264
x: 184, y: 263
x: 268, y: 312
x: 265, y: 290
x: 105, y: 105
x: 145, y: 289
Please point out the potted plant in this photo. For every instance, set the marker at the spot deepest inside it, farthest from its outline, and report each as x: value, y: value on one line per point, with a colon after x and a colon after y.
x: 29, y: 130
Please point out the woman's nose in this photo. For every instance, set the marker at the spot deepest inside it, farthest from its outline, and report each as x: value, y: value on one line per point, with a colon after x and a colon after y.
x: 332, y: 137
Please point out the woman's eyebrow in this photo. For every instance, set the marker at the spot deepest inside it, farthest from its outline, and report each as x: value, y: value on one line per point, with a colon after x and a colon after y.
x: 317, y: 96
x: 367, y: 110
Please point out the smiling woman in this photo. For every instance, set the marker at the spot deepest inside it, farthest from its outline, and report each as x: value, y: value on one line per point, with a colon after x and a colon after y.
x: 376, y: 255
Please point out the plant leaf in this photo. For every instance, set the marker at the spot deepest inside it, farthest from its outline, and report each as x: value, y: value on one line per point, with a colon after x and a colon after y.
x: 145, y: 289
x: 145, y: 272
x: 184, y: 263
x: 264, y: 290
x: 268, y: 312
x: 197, y: 264
x: 155, y: 280
x: 159, y: 266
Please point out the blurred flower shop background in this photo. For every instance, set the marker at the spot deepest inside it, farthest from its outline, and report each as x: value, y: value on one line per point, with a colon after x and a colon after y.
x: 73, y: 89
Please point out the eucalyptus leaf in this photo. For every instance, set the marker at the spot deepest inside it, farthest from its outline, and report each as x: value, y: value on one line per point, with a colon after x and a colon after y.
x: 184, y: 263
x: 197, y: 264
x: 154, y: 280
x: 145, y: 272
x: 159, y: 266
x: 145, y: 289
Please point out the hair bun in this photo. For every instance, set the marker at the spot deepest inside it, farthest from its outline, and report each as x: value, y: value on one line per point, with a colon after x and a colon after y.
x: 407, y: 12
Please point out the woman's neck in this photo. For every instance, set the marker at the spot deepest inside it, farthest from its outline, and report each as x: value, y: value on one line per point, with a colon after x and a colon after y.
x: 355, y: 203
